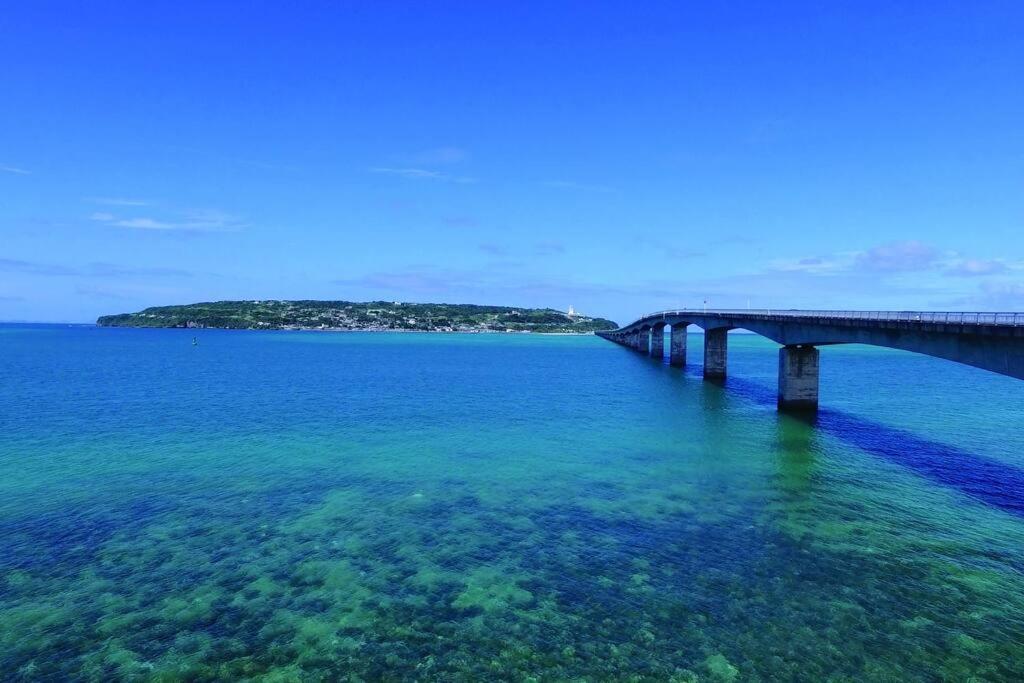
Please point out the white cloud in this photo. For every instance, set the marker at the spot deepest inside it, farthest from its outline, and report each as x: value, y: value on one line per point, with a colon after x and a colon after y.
x: 975, y: 267
x: 90, y: 270
x: 144, y: 224
x: 815, y: 265
x: 422, y: 174
x: 898, y: 257
x: 667, y: 248
x: 15, y: 169
x: 1006, y: 296
x: 201, y: 220
x: 438, y: 156
x: 572, y: 185
x: 118, y: 201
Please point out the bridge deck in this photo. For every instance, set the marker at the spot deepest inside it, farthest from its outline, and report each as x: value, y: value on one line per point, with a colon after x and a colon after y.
x: 987, y: 319
x: 992, y: 341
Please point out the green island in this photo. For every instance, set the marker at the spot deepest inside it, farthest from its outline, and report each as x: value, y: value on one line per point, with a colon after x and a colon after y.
x: 373, y: 316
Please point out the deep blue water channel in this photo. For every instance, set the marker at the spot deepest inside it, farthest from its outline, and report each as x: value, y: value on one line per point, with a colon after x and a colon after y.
x: 298, y: 506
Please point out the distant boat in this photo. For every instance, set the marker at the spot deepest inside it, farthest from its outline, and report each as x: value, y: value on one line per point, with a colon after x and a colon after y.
x: 195, y: 341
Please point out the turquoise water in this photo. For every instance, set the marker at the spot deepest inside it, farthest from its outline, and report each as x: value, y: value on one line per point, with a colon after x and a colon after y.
x: 303, y: 506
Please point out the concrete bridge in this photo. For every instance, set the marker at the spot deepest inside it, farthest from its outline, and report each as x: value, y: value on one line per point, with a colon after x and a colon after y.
x: 991, y: 341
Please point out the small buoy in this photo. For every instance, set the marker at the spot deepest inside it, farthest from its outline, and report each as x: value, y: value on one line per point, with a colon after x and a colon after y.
x: 195, y: 341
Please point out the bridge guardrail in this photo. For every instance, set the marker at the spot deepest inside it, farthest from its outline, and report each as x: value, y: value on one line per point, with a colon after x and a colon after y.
x: 946, y: 317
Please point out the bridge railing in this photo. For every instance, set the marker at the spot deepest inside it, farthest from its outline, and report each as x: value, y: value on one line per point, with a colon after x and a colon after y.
x: 946, y: 317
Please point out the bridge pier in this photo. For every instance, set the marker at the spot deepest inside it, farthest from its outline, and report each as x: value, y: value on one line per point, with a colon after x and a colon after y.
x: 798, y: 378
x: 716, y: 351
x: 677, y: 345
x: 990, y: 341
x: 658, y: 341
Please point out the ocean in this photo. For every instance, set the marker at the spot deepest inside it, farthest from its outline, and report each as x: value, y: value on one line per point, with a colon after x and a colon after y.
x: 300, y: 506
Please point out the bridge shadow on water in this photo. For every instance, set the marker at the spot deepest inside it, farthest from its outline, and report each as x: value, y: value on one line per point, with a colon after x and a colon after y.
x: 997, y: 484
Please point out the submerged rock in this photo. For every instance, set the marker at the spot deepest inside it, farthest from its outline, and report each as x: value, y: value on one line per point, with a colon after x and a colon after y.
x: 489, y: 589
x: 720, y: 668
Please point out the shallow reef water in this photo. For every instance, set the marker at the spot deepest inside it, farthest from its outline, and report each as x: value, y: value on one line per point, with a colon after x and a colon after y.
x: 303, y: 507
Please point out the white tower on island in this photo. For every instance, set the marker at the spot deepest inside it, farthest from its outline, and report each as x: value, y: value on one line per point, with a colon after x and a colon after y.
x: 572, y: 311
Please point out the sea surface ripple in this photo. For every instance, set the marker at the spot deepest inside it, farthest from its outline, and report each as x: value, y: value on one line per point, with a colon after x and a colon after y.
x: 301, y: 506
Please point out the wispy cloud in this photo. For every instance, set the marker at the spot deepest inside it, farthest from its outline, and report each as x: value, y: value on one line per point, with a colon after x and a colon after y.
x: 94, y: 269
x: 461, y: 221
x: 423, y: 165
x: 733, y: 239
x: 1007, y: 296
x: 493, y: 249
x: 437, y: 156
x: 417, y: 173
x: 422, y: 174
x: 146, y: 224
x: 101, y: 293
x: 669, y: 249
x: 572, y: 185
x: 548, y: 248
x: 497, y: 282
x: 905, y: 273
x: 15, y: 170
x: 815, y: 265
x: 977, y: 267
x: 118, y: 201
x: 898, y: 257
x: 131, y: 290
x: 114, y: 270
x: 884, y: 259
x: 195, y: 221
x: 416, y: 280
x: 33, y: 268
x: 773, y: 288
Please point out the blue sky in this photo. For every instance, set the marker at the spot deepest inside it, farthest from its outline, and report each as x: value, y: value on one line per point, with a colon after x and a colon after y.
x: 620, y: 157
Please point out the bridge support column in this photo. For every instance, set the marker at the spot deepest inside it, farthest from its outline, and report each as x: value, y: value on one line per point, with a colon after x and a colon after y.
x: 658, y: 341
x: 798, y: 378
x: 636, y: 340
x: 677, y: 346
x: 716, y: 351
